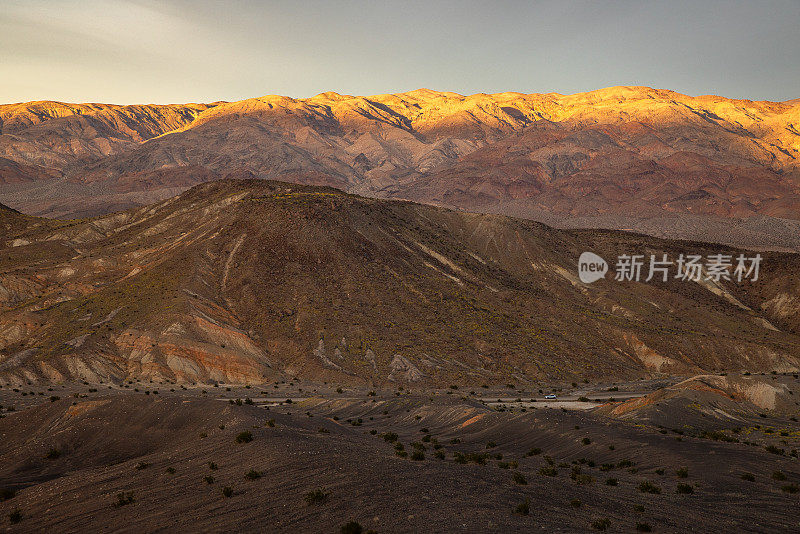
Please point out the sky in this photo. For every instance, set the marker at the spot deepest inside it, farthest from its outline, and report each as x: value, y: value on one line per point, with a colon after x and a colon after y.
x: 142, y: 51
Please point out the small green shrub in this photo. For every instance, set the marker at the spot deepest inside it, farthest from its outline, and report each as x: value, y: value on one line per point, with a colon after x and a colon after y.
x: 750, y: 477
x: 601, y: 524
x: 684, y: 489
x: 682, y: 472
x: 124, y: 498
x: 244, y: 437
x: 523, y: 508
x: 790, y: 488
x: 353, y: 527
x: 253, y: 475
x: 316, y: 497
x: 519, y: 478
x: 15, y: 516
x: 648, y: 487
x: 227, y: 492
x: 643, y: 527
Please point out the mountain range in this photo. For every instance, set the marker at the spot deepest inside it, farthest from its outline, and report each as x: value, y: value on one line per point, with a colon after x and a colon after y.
x: 635, y: 158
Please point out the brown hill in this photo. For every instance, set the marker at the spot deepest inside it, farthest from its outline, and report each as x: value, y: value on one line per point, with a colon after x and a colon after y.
x: 250, y: 279
x: 616, y: 157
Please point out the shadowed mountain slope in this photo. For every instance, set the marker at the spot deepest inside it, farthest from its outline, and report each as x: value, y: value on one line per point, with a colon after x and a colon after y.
x: 246, y: 280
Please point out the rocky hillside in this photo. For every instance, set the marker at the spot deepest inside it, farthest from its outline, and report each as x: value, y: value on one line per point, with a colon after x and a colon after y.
x: 613, y: 158
x: 248, y: 280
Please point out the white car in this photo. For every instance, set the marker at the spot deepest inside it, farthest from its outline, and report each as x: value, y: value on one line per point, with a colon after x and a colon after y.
x: 550, y: 397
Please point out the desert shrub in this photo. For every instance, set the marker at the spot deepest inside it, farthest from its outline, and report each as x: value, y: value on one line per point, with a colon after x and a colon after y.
x: 227, y: 492
x: 607, y: 467
x: 548, y: 471
x: 418, y: 446
x: 584, y: 480
x: 624, y: 463
x: 124, y: 498
x: 353, y: 527
x: 684, y: 489
x: 534, y: 451
x: 6, y: 494
x: 244, y: 437
x: 15, y: 516
x: 611, y: 482
x: 750, y: 477
x: 790, y: 488
x: 648, y: 487
x: 270, y: 423
x: 519, y: 478
x: 586, y: 441
x: 660, y: 471
x: 253, y: 475
x: 141, y: 465
x: 323, y: 430
x: 575, y: 503
x: 455, y: 441
x: 491, y: 445
x: 209, y: 479
x: 775, y: 450
x: 643, y: 527
x: 682, y: 472
x: 439, y: 455
x: 718, y: 435
x: 212, y: 466
x: 53, y: 454
x: 390, y: 437
x: 601, y: 524
x: 523, y: 508
x: 778, y: 475
x: 502, y: 465
x: 317, y: 496
x: 170, y: 470
x: 248, y: 400
x: 417, y: 455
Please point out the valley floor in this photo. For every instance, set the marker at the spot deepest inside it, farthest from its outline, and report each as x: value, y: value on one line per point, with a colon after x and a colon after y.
x: 82, y: 457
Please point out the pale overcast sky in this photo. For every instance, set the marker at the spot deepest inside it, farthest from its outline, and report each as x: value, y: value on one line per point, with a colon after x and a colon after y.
x: 140, y: 51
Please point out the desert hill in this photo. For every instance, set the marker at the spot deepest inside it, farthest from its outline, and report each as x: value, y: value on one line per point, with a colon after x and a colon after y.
x: 249, y: 280
x: 615, y: 157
